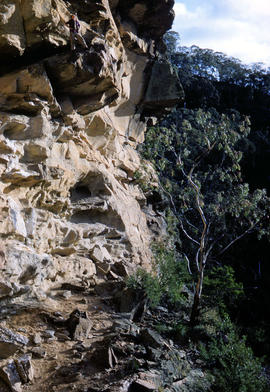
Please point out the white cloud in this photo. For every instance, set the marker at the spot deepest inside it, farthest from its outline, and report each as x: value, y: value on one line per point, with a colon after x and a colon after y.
x: 251, y: 9
x: 239, y: 28
x: 180, y: 9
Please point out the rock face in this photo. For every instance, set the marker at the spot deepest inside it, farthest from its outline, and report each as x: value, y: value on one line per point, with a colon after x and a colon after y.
x: 69, y: 127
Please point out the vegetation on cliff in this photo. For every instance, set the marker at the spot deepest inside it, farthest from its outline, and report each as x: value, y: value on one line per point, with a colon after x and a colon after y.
x: 206, y: 155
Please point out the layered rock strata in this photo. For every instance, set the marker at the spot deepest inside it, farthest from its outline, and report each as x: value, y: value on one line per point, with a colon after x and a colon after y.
x: 70, y: 123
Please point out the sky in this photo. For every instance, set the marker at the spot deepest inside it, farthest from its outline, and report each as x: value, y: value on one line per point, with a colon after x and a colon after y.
x: 238, y: 28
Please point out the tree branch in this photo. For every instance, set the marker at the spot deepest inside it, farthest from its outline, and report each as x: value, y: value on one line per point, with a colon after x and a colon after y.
x: 177, y: 215
x: 188, y: 264
x: 238, y: 238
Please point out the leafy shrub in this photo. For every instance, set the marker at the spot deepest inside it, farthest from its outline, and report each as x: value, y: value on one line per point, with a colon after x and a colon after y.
x: 172, y: 273
x: 166, y: 281
x: 221, y: 289
x: 232, y: 363
x: 150, y: 284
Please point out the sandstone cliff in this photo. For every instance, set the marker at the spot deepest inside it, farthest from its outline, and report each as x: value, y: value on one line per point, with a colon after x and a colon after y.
x: 69, y: 127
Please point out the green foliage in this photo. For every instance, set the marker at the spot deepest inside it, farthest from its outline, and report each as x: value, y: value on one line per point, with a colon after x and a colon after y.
x: 221, y: 289
x: 171, y: 39
x: 162, y: 328
x: 172, y: 273
x: 143, y: 280
x: 144, y: 177
x: 166, y: 281
x: 215, y: 66
x: 231, y: 362
x: 206, y: 144
x: 181, y: 331
x: 172, y: 223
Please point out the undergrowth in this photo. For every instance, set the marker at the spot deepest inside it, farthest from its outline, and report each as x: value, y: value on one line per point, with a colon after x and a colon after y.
x: 229, y: 362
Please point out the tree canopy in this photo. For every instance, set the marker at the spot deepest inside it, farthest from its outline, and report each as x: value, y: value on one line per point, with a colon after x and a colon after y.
x: 215, y: 66
x: 197, y: 154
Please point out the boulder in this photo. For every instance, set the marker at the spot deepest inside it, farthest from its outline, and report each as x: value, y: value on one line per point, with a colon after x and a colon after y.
x: 78, y: 325
x: 142, y: 386
x: 151, y: 338
x: 10, y: 342
x: 157, y: 99
x: 16, y: 372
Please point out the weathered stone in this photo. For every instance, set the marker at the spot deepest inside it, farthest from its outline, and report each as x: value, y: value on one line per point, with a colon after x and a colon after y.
x: 156, y: 97
x: 142, y: 386
x: 5, y: 289
x: 10, y: 342
x: 24, y: 368
x: 70, y: 210
x: 72, y: 287
x: 69, y: 128
x: 150, y: 20
x: 78, y: 325
x: 38, y: 352
x: 100, y: 254
x: 82, y: 329
x: 37, y: 339
x: 151, y: 338
x: 128, y: 299
x: 49, y: 333
x: 12, y: 37
x: 16, y: 372
x: 22, y: 265
x: 62, y: 336
x: 10, y: 375
x: 66, y: 294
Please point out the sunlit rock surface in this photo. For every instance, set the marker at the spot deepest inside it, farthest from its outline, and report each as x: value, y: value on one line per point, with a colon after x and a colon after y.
x: 69, y: 127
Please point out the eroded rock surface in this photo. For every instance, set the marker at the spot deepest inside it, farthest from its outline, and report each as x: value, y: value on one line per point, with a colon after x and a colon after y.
x: 70, y: 123
x: 74, y: 221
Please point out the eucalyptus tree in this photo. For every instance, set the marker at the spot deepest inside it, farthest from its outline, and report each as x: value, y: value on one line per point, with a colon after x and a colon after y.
x: 197, y: 155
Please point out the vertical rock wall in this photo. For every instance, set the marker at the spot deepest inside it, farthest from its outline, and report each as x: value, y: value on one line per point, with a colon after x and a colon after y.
x: 69, y: 127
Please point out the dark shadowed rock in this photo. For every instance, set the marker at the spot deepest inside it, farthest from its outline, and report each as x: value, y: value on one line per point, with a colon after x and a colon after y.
x: 158, y: 97
x: 151, y: 338
x: 142, y: 386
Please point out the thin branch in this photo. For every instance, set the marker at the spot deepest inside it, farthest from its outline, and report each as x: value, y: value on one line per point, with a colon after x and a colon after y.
x: 197, y: 259
x: 190, y: 224
x: 208, y: 228
x: 186, y: 233
x: 209, y: 249
x: 188, y: 264
x: 238, y: 238
x: 177, y: 215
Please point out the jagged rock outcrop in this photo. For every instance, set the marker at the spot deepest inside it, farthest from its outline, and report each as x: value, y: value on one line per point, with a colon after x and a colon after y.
x: 69, y: 127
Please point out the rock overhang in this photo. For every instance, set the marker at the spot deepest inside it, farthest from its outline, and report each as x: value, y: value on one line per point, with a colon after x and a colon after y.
x: 73, y: 122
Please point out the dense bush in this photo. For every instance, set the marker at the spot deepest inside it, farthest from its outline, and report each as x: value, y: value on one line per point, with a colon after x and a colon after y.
x: 222, y: 290
x: 231, y: 362
x: 167, y: 279
x: 146, y: 281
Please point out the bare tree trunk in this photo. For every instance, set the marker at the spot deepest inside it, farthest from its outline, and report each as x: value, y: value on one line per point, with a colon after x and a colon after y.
x: 202, y: 252
x: 197, y: 297
x: 195, y: 310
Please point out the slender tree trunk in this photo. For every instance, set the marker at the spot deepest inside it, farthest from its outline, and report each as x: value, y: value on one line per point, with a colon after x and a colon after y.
x: 195, y: 310
x: 197, y: 297
x: 202, y: 251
